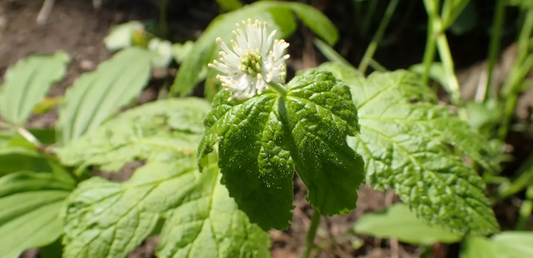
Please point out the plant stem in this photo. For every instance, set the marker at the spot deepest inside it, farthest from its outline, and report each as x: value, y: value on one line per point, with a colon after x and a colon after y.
x: 525, y: 210
x: 163, y: 26
x: 494, y: 47
x: 377, y: 37
x: 311, y: 233
x: 371, y: 10
x: 429, y: 51
x: 278, y: 88
x: 29, y: 137
x: 447, y: 63
x: 521, y: 66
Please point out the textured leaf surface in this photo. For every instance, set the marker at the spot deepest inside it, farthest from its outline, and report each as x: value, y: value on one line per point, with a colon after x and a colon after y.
x: 399, y: 222
x: 106, y: 219
x: 406, y: 141
x: 514, y: 244
x: 27, y: 82
x: 30, y: 207
x: 155, y: 131
x: 97, y: 95
x: 262, y: 140
x: 278, y: 15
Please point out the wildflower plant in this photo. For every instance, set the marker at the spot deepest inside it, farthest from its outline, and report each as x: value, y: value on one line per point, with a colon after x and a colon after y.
x: 266, y: 130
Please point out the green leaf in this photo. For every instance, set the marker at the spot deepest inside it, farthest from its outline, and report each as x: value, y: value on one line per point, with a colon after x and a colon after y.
x: 97, y: 95
x: 315, y: 20
x: 156, y: 131
x: 406, y: 141
x: 515, y: 244
x: 399, y: 222
x: 107, y: 219
x: 121, y: 36
x: 229, y: 5
x: 278, y: 15
x: 210, y: 225
x: 27, y: 82
x: 30, y: 207
x: 262, y: 140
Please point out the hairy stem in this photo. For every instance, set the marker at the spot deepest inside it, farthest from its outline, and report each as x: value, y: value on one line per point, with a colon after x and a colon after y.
x: 280, y: 89
x: 311, y: 233
x: 494, y: 46
x: 377, y: 37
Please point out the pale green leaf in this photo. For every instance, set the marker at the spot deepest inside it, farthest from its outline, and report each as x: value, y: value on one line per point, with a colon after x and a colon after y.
x: 27, y: 82
x: 181, y: 51
x: 156, y: 131
x: 399, y: 222
x: 262, y: 140
x: 106, y: 219
x: 516, y: 244
x: 121, y: 36
x: 30, y: 211
x: 97, y: 95
x: 408, y: 144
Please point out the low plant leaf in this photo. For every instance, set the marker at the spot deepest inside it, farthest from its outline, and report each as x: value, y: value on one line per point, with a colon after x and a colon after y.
x: 262, y: 140
x: 107, y: 219
x: 408, y: 144
x: 30, y: 207
x: 97, y: 95
x: 399, y: 222
x: 515, y: 244
x: 156, y: 131
x: 27, y: 82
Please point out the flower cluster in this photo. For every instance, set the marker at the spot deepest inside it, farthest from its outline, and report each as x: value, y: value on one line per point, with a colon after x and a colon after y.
x: 254, y: 62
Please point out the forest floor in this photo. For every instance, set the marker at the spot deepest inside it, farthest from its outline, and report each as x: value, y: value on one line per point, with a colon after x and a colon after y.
x: 76, y: 27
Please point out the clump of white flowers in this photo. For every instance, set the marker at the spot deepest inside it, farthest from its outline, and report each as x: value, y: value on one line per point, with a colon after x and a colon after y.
x: 254, y: 62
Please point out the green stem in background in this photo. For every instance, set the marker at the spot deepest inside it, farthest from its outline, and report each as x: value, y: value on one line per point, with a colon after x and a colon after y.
x: 521, y: 66
x: 163, y: 26
x: 369, y: 53
x: 449, y: 69
x: 377, y: 66
x: 311, y: 233
x: 525, y: 210
x: 367, y: 22
x: 429, y: 51
x: 278, y: 88
x: 494, y: 47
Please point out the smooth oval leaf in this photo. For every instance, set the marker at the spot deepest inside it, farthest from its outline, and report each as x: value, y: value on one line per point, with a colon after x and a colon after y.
x: 27, y: 82
x: 514, y: 244
x: 405, y: 140
x: 30, y: 207
x: 262, y: 140
x: 399, y: 222
x: 97, y: 95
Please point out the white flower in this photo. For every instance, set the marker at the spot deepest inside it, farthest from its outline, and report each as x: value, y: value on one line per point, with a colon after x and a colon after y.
x: 253, y: 63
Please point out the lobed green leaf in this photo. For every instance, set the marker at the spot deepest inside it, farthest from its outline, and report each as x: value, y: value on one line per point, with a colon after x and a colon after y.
x: 408, y: 144
x: 262, y: 140
x: 106, y: 219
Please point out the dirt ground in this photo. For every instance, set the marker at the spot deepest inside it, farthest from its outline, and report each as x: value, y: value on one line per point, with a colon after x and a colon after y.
x: 77, y: 28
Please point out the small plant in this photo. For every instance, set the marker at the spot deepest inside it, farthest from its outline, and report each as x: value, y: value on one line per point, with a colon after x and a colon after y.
x: 215, y: 174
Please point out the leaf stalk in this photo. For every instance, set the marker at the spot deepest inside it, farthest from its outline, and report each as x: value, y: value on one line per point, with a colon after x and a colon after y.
x: 310, y: 239
x: 278, y: 88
